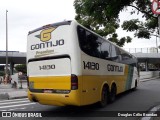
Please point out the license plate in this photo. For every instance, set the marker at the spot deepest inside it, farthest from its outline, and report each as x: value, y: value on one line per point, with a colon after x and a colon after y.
x: 47, y: 91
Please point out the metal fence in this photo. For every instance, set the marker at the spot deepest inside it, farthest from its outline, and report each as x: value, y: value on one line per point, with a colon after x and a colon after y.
x: 13, y: 53
x: 143, y: 50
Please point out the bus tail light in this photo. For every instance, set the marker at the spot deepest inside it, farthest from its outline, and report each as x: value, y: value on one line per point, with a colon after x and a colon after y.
x: 74, y: 82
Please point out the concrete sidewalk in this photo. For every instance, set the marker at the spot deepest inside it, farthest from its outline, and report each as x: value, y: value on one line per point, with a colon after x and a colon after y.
x: 147, y: 79
x: 7, y: 92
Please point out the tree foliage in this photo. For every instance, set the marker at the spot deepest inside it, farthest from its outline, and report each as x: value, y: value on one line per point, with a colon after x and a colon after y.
x: 102, y: 16
x: 21, y: 68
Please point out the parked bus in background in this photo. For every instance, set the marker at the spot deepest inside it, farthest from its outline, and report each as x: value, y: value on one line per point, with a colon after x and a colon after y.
x: 71, y: 65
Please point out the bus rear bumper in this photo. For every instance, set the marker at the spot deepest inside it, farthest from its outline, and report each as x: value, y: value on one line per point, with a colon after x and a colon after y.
x: 55, y: 99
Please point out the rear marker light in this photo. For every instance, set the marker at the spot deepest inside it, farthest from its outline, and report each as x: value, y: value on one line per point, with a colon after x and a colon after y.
x: 74, y: 82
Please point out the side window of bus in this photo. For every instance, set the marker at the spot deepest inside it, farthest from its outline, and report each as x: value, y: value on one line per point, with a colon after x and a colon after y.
x: 105, y: 49
x: 82, y: 38
x: 119, y: 54
x: 93, y: 44
x: 114, y: 56
x: 126, y: 58
x: 88, y: 42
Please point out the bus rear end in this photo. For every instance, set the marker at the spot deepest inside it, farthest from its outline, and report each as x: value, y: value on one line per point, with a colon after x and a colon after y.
x: 50, y: 77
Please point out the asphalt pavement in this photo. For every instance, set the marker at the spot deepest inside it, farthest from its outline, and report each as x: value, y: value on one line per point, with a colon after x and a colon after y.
x: 143, y: 99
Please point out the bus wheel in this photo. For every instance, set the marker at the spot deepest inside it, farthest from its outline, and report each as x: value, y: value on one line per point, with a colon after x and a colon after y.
x: 113, y: 93
x: 104, y: 97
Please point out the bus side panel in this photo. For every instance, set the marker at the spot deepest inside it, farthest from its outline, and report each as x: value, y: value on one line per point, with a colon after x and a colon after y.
x: 94, y: 77
x: 91, y: 87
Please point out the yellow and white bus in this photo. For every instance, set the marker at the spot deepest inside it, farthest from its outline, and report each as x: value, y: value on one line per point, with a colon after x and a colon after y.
x: 71, y: 65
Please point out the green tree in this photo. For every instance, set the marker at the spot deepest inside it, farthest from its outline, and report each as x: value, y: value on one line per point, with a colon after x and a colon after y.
x: 146, y: 28
x: 21, y: 68
x: 102, y: 16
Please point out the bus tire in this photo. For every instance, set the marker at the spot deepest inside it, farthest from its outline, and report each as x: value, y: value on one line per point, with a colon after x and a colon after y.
x: 104, y: 96
x: 113, y: 93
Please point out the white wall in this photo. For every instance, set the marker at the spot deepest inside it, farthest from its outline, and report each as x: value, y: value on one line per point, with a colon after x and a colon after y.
x: 149, y: 74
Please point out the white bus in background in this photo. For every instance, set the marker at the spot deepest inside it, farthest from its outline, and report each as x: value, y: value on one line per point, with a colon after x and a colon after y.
x: 71, y: 65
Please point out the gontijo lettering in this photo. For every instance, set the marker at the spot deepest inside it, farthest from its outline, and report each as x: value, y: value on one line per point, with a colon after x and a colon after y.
x: 45, y: 37
x: 47, y: 44
x: 114, y: 68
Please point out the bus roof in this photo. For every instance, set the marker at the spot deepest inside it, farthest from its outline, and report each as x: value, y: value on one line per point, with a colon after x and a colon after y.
x: 50, y: 25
